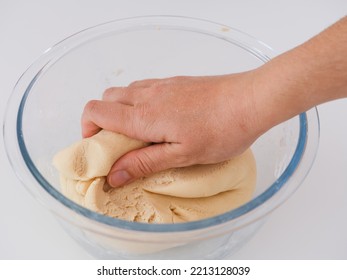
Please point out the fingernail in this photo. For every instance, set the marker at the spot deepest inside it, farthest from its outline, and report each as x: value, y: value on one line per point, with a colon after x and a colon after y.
x: 119, y: 178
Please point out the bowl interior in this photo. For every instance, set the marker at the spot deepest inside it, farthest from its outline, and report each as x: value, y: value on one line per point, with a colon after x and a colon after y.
x: 85, y: 65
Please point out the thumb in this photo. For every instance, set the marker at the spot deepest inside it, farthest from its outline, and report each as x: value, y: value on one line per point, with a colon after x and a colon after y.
x: 142, y: 162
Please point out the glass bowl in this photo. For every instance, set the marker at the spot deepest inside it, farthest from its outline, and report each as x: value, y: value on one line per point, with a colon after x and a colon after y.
x: 43, y: 116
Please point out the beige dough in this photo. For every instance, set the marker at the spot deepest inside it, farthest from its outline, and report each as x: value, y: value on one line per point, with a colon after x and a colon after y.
x: 171, y: 196
x: 93, y: 157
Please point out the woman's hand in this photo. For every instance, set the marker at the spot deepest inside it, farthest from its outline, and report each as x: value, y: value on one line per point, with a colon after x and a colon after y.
x: 192, y: 120
x: 189, y: 120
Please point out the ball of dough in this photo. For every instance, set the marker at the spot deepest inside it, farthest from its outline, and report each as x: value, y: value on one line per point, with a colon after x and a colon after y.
x: 170, y: 196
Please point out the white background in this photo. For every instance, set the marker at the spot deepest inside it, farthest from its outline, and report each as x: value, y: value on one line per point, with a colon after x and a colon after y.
x: 312, y: 224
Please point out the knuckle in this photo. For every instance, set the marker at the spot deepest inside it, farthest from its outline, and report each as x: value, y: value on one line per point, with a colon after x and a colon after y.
x: 144, y: 83
x: 134, y: 84
x: 158, y: 89
x: 138, y: 83
x: 91, y: 106
x: 144, y: 164
x: 107, y: 93
x: 144, y: 121
x: 185, y: 158
x: 182, y: 159
x: 142, y: 110
x: 177, y: 79
x: 179, y: 154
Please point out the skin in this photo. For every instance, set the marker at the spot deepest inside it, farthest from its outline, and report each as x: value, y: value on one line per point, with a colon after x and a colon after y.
x: 200, y: 120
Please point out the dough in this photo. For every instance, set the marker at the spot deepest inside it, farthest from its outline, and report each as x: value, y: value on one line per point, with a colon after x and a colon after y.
x: 94, y: 156
x: 171, y: 196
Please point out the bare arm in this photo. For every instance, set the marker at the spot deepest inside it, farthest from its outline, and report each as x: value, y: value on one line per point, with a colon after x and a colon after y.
x: 312, y: 73
x: 195, y: 120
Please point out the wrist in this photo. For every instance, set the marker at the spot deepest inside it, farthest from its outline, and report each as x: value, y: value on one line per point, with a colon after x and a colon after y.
x: 282, y: 89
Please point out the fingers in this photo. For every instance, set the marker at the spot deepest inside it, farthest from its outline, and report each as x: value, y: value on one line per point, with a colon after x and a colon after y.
x: 115, y: 94
x: 113, y: 112
x: 145, y: 161
x: 112, y: 116
x: 128, y: 95
x: 145, y: 83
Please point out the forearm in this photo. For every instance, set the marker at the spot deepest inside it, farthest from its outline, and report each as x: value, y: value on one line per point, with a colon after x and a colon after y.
x: 313, y: 73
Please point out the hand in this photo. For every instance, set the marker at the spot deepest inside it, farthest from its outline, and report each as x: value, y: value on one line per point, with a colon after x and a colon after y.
x: 188, y: 120
x: 199, y: 120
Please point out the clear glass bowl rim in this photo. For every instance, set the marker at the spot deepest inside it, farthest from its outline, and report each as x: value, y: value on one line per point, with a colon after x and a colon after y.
x: 210, y: 28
